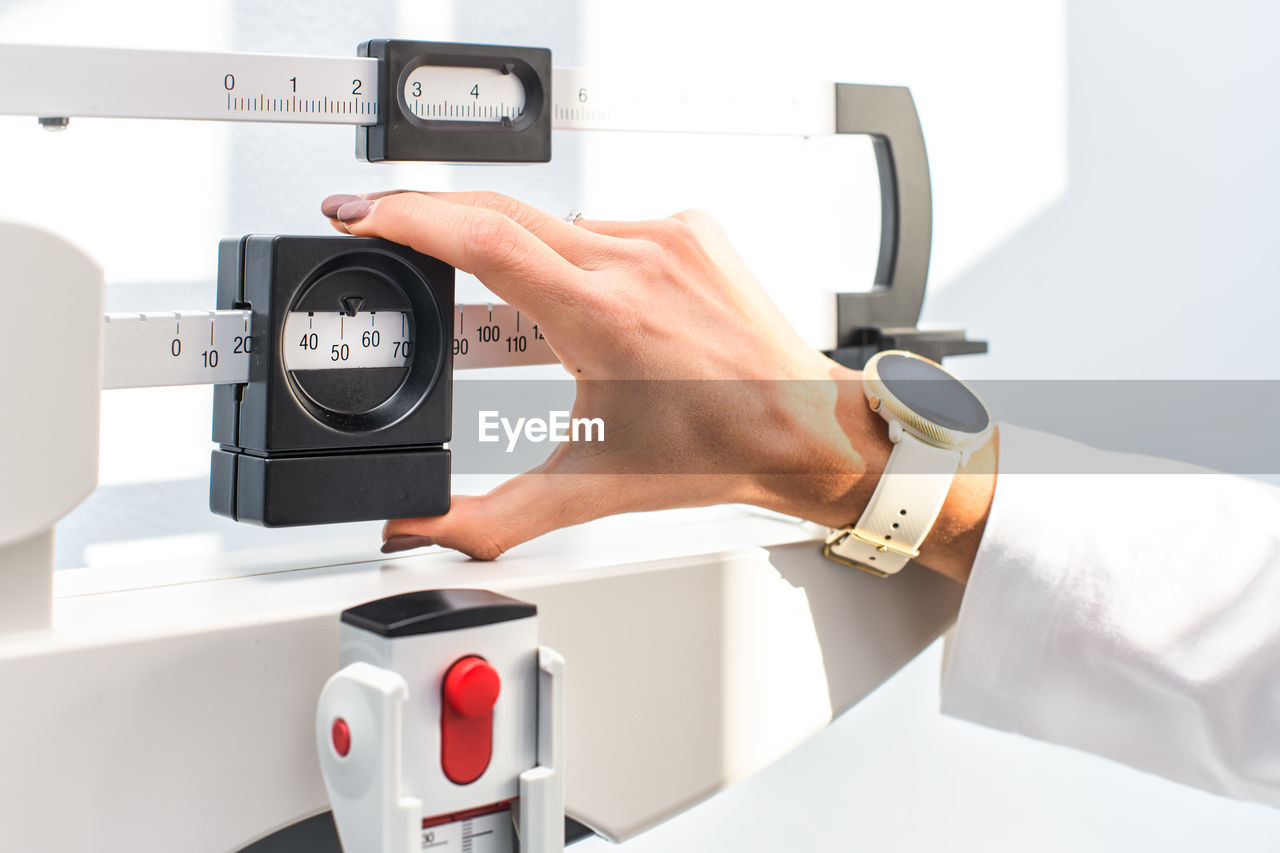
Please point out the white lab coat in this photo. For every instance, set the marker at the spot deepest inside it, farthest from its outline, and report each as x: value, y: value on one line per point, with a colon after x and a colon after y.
x: 1132, y: 615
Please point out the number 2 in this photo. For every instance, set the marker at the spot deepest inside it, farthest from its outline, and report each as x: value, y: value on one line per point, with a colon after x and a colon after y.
x: 355, y: 87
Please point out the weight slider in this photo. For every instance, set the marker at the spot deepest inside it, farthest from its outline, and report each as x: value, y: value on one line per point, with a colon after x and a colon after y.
x: 345, y: 414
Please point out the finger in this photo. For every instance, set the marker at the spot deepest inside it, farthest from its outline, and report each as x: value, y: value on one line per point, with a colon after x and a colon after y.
x: 680, y: 231
x: 577, y: 245
x: 329, y: 207
x: 520, y: 509
x: 644, y: 229
x: 673, y: 234
x: 510, y: 260
x: 684, y: 230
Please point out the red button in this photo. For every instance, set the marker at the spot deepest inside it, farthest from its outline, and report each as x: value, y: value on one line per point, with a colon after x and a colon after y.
x: 470, y: 691
x: 341, y: 735
x: 472, y: 686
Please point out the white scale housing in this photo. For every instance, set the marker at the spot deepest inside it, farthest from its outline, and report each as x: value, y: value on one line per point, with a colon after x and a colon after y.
x: 390, y: 696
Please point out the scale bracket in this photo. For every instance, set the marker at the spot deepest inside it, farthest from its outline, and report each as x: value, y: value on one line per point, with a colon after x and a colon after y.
x: 886, y: 317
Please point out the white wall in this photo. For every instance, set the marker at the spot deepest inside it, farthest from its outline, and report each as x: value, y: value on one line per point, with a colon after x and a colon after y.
x: 1104, y: 182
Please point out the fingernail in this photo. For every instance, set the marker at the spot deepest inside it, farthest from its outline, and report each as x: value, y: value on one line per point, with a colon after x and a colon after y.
x: 329, y: 207
x: 354, y: 211
x: 403, y: 542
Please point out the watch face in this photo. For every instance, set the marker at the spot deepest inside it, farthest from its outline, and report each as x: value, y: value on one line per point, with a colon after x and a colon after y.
x: 932, y: 393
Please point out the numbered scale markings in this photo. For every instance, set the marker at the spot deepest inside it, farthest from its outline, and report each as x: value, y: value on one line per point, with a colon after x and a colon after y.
x: 176, y: 348
x: 204, y: 347
x: 497, y: 336
x: 326, y: 340
x: 448, y: 93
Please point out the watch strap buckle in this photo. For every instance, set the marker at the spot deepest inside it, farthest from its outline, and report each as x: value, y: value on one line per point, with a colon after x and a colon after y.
x: 839, y: 535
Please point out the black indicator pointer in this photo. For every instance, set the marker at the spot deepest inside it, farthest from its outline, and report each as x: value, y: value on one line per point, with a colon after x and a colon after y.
x: 352, y: 304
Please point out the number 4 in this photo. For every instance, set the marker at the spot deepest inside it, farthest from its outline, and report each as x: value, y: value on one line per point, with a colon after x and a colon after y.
x: 475, y: 91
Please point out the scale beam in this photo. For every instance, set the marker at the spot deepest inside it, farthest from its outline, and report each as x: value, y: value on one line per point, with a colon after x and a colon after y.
x: 175, y: 348
x: 167, y: 84
x: 212, y: 347
x: 60, y: 82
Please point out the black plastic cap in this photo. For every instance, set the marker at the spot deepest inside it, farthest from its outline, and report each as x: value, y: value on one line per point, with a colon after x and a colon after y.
x: 328, y: 489
x: 434, y: 610
x: 222, y: 484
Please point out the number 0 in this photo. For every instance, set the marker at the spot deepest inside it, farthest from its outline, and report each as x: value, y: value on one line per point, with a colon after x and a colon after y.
x: 229, y: 81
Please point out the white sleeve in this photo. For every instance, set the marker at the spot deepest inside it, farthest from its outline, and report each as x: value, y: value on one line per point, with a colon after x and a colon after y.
x: 1132, y: 615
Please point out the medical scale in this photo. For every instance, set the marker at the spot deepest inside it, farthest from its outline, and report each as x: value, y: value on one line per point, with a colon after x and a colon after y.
x: 610, y: 679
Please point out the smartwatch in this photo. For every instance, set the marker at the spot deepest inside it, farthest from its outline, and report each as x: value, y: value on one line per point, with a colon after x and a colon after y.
x: 935, y: 422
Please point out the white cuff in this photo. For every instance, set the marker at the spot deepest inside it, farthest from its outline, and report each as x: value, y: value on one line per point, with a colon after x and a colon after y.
x: 1128, y: 613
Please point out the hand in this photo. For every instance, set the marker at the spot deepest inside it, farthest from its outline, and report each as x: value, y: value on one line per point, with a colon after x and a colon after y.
x: 767, y: 421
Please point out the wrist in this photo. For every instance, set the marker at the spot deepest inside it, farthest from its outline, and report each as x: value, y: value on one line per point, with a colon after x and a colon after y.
x: 840, y: 451
x: 835, y: 449
x: 952, y: 544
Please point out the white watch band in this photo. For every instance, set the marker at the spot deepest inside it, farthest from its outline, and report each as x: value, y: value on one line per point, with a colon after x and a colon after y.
x: 902, y: 509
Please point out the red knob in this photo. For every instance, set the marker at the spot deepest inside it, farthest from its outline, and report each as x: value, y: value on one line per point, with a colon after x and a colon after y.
x: 341, y: 734
x: 471, y: 687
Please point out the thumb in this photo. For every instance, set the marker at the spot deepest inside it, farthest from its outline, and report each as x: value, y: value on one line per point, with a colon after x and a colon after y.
x: 528, y: 505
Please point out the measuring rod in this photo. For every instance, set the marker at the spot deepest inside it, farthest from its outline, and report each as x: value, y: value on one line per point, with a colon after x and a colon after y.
x: 438, y: 85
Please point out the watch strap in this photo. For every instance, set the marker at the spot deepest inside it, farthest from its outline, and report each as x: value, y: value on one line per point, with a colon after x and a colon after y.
x: 902, y: 509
